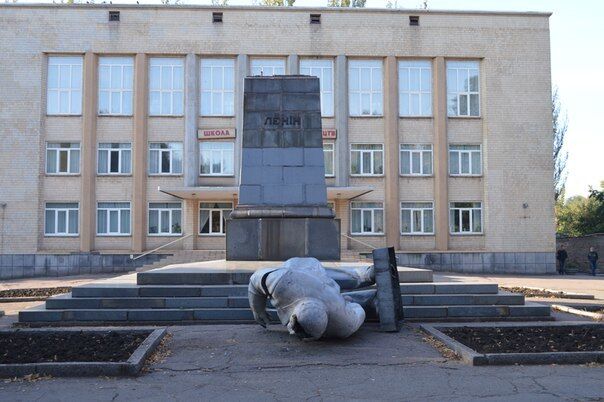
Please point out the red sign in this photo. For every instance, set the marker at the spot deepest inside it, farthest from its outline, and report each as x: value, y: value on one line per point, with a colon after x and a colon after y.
x: 329, y: 134
x: 214, y: 133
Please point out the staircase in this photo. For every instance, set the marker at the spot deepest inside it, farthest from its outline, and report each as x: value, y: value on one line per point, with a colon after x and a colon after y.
x: 179, y: 297
x: 184, y: 256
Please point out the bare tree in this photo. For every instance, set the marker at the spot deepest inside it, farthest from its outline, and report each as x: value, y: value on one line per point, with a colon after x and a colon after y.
x: 559, y: 127
x: 220, y: 2
x: 346, y: 3
x: 278, y: 3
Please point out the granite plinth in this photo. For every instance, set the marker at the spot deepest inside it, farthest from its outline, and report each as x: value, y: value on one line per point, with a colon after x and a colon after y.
x: 389, y: 300
x: 282, y: 238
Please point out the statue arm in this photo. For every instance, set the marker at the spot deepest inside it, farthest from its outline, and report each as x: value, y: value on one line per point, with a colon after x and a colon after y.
x: 257, y: 300
x: 352, y: 277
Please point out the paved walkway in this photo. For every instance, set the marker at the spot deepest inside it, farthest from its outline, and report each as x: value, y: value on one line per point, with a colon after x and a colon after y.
x: 248, y: 363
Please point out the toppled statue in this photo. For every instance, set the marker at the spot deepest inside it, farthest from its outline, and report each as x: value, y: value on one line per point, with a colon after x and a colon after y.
x: 308, y: 299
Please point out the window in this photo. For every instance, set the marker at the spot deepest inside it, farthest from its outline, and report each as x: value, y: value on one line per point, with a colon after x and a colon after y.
x: 64, y: 92
x: 328, y: 154
x: 268, y: 67
x: 365, y: 87
x: 166, y: 86
x: 417, y: 218
x: 465, y: 160
x: 114, y: 158
x: 113, y: 218
x: 61, y: 219
x: 212, y: 217
x: 366, y: 159
x: 63, y: 157
x: 324, y: 70
x: 116, y: 79
x: 367, y: 218
x: 216, y: 158
x: 463, y: 93
x: 416, y: 159
x: 415, y: 88
x: 165, y: 158
x: 217, y: 87
x: 165, y: 218
x: 465, y: 217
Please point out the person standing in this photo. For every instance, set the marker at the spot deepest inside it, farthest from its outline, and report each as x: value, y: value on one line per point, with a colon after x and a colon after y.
x: 561, y: 256
x: 592, y: 257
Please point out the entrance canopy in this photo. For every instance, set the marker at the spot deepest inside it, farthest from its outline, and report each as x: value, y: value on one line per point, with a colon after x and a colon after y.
x: 216, y: 193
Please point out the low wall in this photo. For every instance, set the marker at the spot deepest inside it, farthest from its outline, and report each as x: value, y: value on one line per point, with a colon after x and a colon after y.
x: 477, y: 263
x: 15, y: 266
x: 578, y: 247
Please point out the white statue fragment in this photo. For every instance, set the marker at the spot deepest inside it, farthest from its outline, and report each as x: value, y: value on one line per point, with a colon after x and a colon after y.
x: 308, y: 299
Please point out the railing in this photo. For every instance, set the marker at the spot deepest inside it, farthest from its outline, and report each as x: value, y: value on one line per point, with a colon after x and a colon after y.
x: 133, y: 258
x: 372, y: 247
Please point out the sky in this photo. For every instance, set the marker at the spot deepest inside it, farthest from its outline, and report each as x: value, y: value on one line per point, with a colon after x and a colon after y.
x: 577, y: 40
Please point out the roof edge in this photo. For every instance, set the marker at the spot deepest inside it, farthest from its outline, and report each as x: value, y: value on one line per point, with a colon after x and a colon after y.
x: 281, y: 9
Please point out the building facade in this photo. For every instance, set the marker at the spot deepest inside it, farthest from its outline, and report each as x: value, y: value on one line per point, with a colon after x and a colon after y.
x: 122, y: 128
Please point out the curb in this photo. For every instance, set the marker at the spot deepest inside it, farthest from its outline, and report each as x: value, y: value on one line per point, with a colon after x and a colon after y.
x: 474, y: 358
x: 130, y: 367
x: 571, y: 310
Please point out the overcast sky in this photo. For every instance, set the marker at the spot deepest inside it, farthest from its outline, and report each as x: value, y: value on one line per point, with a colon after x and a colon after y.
x: 577, y: 40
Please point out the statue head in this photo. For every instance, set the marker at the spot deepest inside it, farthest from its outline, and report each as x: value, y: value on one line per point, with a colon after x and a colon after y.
x: 309, y: 319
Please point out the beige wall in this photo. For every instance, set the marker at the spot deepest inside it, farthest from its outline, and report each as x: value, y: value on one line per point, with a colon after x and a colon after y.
x: 514, y: 128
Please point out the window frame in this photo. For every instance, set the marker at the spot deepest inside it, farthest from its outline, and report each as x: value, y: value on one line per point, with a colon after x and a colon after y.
x: 159, y: 219
x: 331, y: 151
x: 421, y: 160
x: 121, y: 63
x: 58, y: 151
x: 267, y: 60
x: 119, y: 211
x: 322, y: 88
x: 460, y: 66
x: 222, y: 218
x: 372, y: 160
x: 378, y: 64
x: 422, y: 211
x: 372, y: 211
x: 409, y: 65
x: 120, y: 151
x: 70, y: 61
x: 469, y: 210
x: 223, y: 64
x: 459, y: 159
x: 66, y: 210
x: 222, y: 152
x: 176, y: 62
x: 171, y: 151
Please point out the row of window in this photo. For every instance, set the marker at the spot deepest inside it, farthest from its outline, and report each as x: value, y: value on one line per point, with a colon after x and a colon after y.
x: 165, y: 219
x: 217, y: 159
x: 217, y: 85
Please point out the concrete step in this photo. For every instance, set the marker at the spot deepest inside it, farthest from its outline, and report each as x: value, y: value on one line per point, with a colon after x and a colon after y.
x: 78, y: 303
x: 449, y: 288
x: 40, y: 316
x: 128, y: 290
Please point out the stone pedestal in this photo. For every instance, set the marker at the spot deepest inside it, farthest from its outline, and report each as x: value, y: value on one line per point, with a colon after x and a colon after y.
x: 282, y: 210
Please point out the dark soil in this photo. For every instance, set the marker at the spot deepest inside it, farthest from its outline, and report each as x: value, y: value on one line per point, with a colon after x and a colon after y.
x: 64, y: 346
x: 38, y: 292
x: 576, y: 338
x: 533, y: 292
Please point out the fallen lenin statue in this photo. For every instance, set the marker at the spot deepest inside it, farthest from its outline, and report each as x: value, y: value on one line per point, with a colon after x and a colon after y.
x: 309, y: 301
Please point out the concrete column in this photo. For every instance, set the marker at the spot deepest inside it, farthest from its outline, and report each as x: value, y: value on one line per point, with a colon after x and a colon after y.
x: 293, y: 64
x: 342, y: 150
x: 190, y: 212
x: 87, y: 154
x: 139, y: 147
x: 441, y: 155
x: 191, y: 151
x: 391, y: 182
x: 241, y: 71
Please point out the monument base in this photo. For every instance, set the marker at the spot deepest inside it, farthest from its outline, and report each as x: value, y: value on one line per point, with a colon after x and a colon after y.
x: 278, y: 239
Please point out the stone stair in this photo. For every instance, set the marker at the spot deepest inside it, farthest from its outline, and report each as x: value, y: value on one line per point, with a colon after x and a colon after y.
x: 184, y: 256
x: 213, y: 298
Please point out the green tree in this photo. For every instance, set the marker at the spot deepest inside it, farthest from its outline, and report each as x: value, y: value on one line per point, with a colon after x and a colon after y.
x: 277, y: 3
x: 220, y: 2
x: 559, y: 127
x: 579, y: 216
x: 346, y: 3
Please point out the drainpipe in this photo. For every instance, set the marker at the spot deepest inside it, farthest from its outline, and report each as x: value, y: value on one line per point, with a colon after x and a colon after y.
x: 2, y: 208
